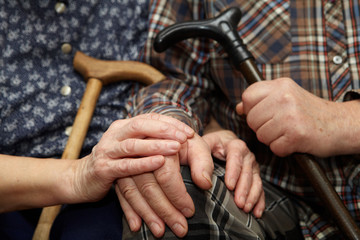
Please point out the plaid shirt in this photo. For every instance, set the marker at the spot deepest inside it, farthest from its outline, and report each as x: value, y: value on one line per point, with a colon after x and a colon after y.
x: 313, y: 42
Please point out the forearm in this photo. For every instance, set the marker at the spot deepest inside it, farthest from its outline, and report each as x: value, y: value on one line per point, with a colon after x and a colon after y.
x: 32, y: 182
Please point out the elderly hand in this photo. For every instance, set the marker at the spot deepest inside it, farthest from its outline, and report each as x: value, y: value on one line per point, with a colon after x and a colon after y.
x: 125, y: 150
x: 290, y: 119
x: 161, y: 198
x: 242, y: 172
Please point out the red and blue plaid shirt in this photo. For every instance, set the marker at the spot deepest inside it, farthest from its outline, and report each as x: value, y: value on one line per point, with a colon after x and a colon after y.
x: 316, y: 43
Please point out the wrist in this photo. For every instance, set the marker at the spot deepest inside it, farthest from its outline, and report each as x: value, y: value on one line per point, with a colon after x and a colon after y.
x: 69, y: 186
x: 348, y: 128
x: 339, y: 133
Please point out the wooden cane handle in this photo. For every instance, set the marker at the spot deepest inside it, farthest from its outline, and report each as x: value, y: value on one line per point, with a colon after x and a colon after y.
x: 112, y: 71
x: 96, y: 73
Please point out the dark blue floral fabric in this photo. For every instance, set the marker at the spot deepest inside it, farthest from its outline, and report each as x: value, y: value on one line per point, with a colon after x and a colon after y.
x: 39, y: 89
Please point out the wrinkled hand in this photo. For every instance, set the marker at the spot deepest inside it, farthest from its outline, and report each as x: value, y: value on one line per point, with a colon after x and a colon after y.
x: 290, y: 119
x: 160, y: 197
x: 242, y: 172
x: 124, y: 151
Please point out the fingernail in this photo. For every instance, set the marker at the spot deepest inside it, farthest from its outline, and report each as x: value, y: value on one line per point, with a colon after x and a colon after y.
x: 174, y: 145
x: 207, y: 177
x: 242, y: 201
x: 232, y: 183
x: 132, y: 225
x: 178, y: 229
x: 180, y: 136
x: 155, y: 229
x: 260, y: 213
x: 187, y: 212
x: 189, y: 130
x: 158, y: 159
x: 248, y: 207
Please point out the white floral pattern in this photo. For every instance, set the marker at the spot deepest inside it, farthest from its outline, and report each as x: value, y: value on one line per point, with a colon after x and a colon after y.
x: 33, y: 69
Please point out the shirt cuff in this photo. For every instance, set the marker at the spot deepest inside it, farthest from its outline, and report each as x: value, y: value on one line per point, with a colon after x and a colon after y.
x: 352, y: 95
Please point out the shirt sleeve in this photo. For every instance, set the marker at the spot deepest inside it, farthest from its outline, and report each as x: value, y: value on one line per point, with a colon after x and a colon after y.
x: 183, y: 94
x: 173, y: 98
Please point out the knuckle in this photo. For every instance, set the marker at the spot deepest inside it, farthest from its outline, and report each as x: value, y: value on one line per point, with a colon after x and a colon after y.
x: 242, y: 146
x: 278, y: 150
x: 285, y: 82
x: 124, y: 167
x: 128, y: 191
x: 259, y: 183
x: 147, y: 189
x: 164, y: 176
x: 155, y: 146
x: 246, y: 97
x: 154, y: 116
x: 128, y: 146
x: 136, y: 124
x: 116, y: 124
x: 99, y: 168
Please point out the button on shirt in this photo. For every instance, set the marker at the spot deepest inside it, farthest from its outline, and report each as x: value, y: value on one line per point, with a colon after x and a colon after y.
x: 313, y: 42
x: 39, y: 89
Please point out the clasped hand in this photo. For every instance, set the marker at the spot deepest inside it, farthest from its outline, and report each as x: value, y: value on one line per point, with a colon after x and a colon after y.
x: 160, y: 197
x: 142, y: 155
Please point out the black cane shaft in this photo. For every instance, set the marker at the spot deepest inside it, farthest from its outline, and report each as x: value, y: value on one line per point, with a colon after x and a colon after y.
x: 315, y: 174
x: 250, y: 71
x: 331, y: 199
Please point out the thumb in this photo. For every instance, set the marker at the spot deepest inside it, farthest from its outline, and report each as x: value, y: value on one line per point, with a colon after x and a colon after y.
x: 240, y: 108
x: 216, y: 146
x: 200, y: 162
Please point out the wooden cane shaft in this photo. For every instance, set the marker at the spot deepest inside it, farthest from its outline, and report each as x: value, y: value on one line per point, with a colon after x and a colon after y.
x: 47, y: 217
x: 82, y: 119
x: 72, y: 149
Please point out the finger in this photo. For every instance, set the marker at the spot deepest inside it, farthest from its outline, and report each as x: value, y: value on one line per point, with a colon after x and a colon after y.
x: 133, y: 219
x: 172, y: 184
x: 240, y: 108
x: 260, y: 206
x: 282, y: 147
x: 254, y: 94
x: 259, y: 114
x: 216, y: 147
x: 160, y: 204
x: 128, y: 167
x: 245, y: 181
x: 269, y: 132
x: 142, y: 147
x: 234, y: 162
x: 200, y: 161
x: 133, y: 197
x: 144, y: 128
x: 180, y: 125
x: 254, y: 194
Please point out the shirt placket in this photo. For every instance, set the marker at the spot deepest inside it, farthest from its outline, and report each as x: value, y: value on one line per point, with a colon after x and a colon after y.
x: 337, y: 59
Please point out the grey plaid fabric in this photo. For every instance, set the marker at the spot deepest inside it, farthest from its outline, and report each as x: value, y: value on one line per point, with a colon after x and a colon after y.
x: 218, y: 217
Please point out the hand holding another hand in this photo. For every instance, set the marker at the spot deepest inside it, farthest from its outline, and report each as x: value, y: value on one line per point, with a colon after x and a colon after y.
x: 124, y: 150
x: 160, y: 197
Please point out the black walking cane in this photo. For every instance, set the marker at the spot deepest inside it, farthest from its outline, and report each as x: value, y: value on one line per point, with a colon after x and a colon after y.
x: 223, y: 29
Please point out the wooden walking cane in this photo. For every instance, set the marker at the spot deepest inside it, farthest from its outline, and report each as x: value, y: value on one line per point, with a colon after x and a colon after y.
x: 97, y: 73
x: 223, y: 29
